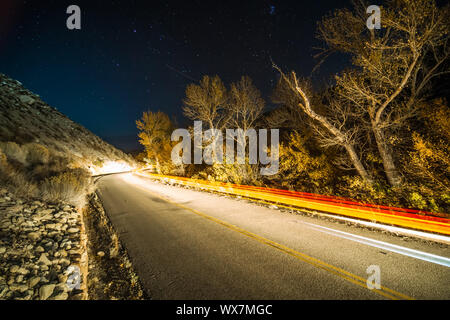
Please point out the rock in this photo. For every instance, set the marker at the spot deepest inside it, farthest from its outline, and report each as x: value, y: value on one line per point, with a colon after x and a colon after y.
x: 53, y: 226
x: 62, y: 287
x: 101, y: 254
x: 43, y: 267
x: 73, y: 230
x: 23, y: 271
x: 45, y: 212
x: 48, y: 244
x: 61, y: 296
x: 3, y: 291
x: 44, y: 260
x: 26, y: 99
x: 33, y: 282
x: 46, y: 291
x: 74, y: 251
x: 15, y: 252
x: 15, y: 209
x: 39, y: 249
x: 18, y: 287
x: 63, y: 253
x: 63, y: 278
x: 34, y: 236
x: 52, y: 275
x: 64, y: 262
x: 14, y: 269
x: 52, y: 234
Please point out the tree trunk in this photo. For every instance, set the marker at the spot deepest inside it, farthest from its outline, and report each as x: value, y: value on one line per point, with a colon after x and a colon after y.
x: 358, y: 164
x: 390, y: 170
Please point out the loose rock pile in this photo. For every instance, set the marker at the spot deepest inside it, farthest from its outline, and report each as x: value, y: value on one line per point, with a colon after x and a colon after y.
x: 40, y: 249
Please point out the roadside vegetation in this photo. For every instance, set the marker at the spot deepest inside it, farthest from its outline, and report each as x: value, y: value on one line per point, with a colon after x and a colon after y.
x: 32, y: 171
x: 43, y: 154
x: 379, y: 132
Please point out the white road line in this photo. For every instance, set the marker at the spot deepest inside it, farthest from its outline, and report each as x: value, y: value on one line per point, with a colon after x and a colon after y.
x: 384, y: 245
x: 397, y: 230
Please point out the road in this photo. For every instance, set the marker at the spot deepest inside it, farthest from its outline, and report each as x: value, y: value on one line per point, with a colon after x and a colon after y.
x: 188, y: 244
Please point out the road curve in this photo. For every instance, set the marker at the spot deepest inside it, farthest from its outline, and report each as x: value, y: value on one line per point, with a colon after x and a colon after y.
x: 187, y: 244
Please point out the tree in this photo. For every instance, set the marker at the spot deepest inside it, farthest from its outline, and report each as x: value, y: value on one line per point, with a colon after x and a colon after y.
x: 245, y: 104
x: 334, y: 127
x: 206, y: 102
x: 235, y: 109
x: 245, y: 107
x: 156, y: 129
x: 394, y: 65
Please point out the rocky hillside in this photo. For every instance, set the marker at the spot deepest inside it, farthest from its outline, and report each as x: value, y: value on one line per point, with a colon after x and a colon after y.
x: 45, y: 181
x: 25, y: 118
x: 41, y: 250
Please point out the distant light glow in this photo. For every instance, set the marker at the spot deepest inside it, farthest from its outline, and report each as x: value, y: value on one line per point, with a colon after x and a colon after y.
x: 111, y: 167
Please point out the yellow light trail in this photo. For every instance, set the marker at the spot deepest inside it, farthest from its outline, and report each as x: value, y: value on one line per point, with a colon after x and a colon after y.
x: 406, y: 218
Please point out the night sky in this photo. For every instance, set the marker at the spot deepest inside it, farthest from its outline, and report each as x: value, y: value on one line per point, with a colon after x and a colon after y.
x: 133, y: 56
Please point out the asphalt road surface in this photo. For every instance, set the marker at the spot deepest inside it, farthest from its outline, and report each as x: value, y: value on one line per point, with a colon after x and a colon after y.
x: 187, y: 244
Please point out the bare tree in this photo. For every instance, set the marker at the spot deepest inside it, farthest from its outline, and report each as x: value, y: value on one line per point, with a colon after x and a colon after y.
x: 245, y: 105
x: 206, y: 102
x: 394, y: 65
x: 337, y: 134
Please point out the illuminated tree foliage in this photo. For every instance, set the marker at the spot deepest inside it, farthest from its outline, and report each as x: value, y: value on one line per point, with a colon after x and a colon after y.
x: 155, y: 132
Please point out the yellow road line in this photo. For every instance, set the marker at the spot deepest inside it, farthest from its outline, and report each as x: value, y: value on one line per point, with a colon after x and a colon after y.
x: 360, y: 281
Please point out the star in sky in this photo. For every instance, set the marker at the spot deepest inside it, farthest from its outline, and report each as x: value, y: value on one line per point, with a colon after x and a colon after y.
x: 272, y: 10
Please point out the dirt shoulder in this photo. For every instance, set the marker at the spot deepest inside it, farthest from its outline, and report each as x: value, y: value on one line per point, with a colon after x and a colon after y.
x: 111, y: 275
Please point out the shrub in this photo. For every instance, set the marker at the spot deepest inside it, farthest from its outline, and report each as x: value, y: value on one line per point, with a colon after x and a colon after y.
x: 301, y: 168
x: 54, y: 166
x: 21, y: 185
x: 235, y: 173
x: 37, y: 154
x: 15, y: 179
x: 3, y: 159
x: 71, y: 186
x: 14, y: 152
x: 355, y: 187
